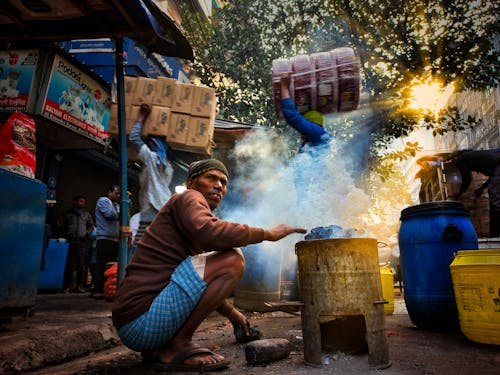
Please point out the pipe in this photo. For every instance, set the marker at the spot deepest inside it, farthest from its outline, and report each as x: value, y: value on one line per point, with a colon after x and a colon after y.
x: 122, y: 141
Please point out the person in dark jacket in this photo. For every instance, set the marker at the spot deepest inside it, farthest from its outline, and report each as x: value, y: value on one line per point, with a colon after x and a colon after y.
x: 186, y: 265
x: 487, y: 163
x: 77, y: 228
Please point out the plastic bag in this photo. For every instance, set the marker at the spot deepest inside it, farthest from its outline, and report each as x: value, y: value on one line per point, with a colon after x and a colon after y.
x: 111, y: 275
x: 18, y: 145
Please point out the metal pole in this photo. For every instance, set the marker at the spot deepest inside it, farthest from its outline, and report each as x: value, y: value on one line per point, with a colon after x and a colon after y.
x: 122, y: 141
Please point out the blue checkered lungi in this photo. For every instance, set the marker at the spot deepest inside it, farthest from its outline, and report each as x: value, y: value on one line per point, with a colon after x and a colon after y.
x: 168, y: 311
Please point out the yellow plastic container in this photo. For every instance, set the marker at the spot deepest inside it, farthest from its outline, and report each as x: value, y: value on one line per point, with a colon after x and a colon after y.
x: 476, y: 284
x: 387, y: 279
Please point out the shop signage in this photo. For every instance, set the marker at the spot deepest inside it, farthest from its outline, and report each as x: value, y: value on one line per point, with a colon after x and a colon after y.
x: 17, y: 69
x: 99, y: 54
x: 76, y: 101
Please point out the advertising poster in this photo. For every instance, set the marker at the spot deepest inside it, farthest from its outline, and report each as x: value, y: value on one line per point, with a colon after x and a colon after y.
x: 17, y: 69
x: 75, y: 100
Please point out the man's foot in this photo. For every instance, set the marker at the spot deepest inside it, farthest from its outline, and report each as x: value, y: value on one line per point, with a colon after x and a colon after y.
x: 149, y: 356
x: 193, y: 359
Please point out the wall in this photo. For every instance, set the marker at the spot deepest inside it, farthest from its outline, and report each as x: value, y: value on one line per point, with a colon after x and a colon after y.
x: 78, y: 174
x: 485, y: 106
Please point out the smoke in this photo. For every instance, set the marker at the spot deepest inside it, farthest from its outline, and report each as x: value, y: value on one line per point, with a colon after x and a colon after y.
x: 304, y: 189
x: 274, y: 187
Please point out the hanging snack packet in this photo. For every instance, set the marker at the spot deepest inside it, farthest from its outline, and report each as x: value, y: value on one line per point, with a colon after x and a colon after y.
x: 18, y: 145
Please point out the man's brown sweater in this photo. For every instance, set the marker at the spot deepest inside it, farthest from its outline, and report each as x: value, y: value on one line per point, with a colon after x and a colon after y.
x: 185, y: 226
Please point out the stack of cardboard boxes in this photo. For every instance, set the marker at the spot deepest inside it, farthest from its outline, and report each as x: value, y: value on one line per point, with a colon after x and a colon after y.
x: 183, y: 113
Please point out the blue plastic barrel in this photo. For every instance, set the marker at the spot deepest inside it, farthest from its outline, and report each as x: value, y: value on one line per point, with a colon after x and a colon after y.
x: 22, y: 228
x: 261, y: 280
x: 429, y: 236
x: 52, y: 272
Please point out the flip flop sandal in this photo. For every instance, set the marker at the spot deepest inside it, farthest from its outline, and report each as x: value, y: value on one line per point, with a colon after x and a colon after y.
x: 177, y: 364
x: 242, y: 338
x: 148, y: 357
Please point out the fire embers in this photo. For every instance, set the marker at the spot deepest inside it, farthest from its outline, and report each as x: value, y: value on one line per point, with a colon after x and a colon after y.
x: 332, y: 231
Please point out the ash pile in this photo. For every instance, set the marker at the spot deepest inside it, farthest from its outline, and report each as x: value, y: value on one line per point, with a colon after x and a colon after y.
x: 333, y: 231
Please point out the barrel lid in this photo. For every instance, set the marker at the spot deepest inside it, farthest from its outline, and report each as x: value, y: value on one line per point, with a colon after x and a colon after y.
x: 432, y: 206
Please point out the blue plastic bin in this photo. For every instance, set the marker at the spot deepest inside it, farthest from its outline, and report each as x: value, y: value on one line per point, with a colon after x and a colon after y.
x: 22, y: 228
x: 429, y: 236
x: 52, y: 273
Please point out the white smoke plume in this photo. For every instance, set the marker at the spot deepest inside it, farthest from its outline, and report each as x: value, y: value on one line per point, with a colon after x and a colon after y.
x: 267, y: 183
x: 270, y: 193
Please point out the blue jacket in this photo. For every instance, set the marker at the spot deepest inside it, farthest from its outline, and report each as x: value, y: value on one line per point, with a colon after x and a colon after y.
x: 107, y: 219
x: 312, y: 134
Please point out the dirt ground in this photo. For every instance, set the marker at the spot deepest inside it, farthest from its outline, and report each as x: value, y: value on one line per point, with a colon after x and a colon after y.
x: 412, y: 351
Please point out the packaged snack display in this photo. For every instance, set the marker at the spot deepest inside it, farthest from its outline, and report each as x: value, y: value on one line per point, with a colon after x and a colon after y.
x: 18, y: 145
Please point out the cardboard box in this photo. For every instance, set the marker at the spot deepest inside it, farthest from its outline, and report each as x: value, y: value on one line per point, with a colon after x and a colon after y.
x: 198, y: 149
x: 183, y: 98
x: 204, y: 102
x: 164, y: 91
x: 113, y: 119
x: 178, y: 129
x: 157, y: 122
x: 132, y: 154
x: 200, y: 133
x: 130, y: 89
x: 144, y: 91
x: 132, y: 112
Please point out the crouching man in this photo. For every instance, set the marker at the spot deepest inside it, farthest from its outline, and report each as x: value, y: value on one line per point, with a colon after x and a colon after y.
x: 186, y: 266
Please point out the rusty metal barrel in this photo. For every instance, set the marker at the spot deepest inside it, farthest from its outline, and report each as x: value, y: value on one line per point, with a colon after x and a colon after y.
x: 340, y: 279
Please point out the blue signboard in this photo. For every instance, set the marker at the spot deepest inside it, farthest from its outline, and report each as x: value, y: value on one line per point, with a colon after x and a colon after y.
x: 75, y: 100
x: 17, y: 69
x: 99, y: 55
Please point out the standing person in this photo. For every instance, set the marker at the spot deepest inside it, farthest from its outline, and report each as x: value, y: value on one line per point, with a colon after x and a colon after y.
x: 135, y: 219
x: 487, y: 163
x: 185, y: 267
x: 309, y: 125
x: 156, y: 173
x: 310, y: 165
x: 77, y: 228
x: 107, y: 216
x: 310, y: 168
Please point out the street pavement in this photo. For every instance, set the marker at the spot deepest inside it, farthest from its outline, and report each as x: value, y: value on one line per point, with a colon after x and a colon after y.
x: 73, y: 334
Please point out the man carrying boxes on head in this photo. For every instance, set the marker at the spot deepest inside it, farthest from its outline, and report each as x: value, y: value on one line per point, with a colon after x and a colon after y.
x: 156, y: 173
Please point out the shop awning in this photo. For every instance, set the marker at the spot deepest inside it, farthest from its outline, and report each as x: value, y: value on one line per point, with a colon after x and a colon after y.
x: 25, y: 24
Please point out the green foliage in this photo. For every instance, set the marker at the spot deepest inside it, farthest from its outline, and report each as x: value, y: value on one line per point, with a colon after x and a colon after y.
x: 386, y: 166
x: 396, y: 42
x: 449, y: 119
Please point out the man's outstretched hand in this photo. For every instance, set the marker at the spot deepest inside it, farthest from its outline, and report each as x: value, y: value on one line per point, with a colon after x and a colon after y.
x: 280, y: 231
